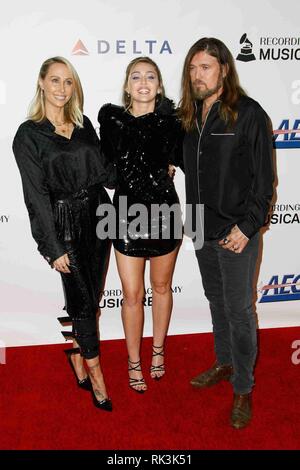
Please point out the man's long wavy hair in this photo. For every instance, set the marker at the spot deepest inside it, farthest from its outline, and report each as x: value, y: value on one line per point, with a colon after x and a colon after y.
x: 231, y: 86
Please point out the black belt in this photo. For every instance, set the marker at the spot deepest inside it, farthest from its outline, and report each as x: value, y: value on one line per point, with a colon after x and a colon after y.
x: 82, y: 194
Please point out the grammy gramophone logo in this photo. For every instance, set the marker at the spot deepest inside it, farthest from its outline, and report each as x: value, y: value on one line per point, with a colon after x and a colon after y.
x: 246, y: 54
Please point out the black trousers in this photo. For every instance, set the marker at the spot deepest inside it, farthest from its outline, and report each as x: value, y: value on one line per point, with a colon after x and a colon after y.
x: 89, y: 256
x: 227, y: 279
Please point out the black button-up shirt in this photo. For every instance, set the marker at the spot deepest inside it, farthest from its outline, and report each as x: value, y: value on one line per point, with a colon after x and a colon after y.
x: 230, y: 171
x: 50, y: 165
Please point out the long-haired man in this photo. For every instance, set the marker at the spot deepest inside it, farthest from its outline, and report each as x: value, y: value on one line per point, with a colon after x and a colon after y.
x: 228, y: 169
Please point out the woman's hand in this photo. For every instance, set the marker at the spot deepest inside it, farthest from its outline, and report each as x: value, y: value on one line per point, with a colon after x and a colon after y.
x: 172, y: 171
x: 62, y: 264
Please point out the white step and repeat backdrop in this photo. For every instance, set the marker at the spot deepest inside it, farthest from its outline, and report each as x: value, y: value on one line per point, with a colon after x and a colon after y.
x: 100, y: 37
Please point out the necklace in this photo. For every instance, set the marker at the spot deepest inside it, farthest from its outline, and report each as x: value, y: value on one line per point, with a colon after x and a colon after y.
x: 64, y: 130
x: 57, y: 124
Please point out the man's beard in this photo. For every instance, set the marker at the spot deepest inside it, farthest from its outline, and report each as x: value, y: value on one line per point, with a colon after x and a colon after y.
x: 206, y: 93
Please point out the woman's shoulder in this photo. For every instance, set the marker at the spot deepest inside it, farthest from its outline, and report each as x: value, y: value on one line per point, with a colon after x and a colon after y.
x: 168, y: 114
x: 166, y: 110
x: 87, y: 123
x: 26, y: 131
x: 165, y: 107
x: 26, y: 137
x: 110, y: 110
x: 26, y: 126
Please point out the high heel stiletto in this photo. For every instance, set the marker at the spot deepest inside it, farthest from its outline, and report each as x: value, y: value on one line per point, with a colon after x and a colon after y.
x: 136, y: 382
x: 85, y: 383
x: 104, y: 404
x: 161, y: 367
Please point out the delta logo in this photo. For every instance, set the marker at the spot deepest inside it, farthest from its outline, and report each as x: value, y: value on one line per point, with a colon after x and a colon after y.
x: 287, y: 137
x: 122, y: 46
x: 79, y: 49
x: 276, y: 291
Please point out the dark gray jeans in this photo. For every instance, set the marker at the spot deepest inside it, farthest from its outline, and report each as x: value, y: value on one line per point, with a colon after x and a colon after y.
x: 227, y: 279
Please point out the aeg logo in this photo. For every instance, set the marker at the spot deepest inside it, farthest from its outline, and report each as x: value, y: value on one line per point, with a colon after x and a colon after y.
x: 288, y: 289
x: 285, y: 136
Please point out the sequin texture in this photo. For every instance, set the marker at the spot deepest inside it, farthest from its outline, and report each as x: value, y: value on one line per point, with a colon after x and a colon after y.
x: 142, y: 148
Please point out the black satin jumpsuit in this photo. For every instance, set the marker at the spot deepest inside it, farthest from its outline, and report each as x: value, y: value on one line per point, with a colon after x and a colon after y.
x: 63, y: 185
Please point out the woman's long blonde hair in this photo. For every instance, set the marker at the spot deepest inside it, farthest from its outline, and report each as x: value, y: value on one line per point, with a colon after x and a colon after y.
x: 73, y: 109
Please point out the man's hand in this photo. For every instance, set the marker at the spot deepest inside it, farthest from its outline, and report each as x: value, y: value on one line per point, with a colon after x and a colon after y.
x: 235, y: 240
x: 61, y: 264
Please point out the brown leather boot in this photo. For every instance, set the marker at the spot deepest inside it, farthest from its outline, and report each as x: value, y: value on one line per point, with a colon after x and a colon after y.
x: 212, y: 376
x: 241, y: 411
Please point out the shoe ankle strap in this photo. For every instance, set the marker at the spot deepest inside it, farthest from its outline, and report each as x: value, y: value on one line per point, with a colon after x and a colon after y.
x: 133, y: 362
x: 134, y: 365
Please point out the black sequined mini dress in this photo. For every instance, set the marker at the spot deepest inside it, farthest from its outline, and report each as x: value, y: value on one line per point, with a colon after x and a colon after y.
x: 147, y: 210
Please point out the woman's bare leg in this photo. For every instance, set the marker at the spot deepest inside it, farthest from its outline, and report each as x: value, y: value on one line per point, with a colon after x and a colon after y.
x: 161, y: 274
x: 131, y: 271
x: 97, y: 378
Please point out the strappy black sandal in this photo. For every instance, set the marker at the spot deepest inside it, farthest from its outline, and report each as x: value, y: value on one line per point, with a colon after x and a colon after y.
x: 157, y: 351
x: 135, y: 366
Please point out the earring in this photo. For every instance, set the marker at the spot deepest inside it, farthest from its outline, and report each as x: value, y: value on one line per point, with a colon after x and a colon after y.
x: 128, y: 94
x: 42, y: 92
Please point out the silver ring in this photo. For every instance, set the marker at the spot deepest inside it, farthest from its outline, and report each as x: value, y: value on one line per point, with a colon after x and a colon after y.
x: 226, y: 241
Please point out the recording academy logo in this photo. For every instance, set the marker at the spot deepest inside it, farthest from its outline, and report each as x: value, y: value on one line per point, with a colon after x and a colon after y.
x: 113, y: 298
x: 246, y: 54
x: 285, y: 214
x: 79, y: 49
x: 286, y: 137
x: 122, y: 46
x: 276, y: 291
x: 270, y: 48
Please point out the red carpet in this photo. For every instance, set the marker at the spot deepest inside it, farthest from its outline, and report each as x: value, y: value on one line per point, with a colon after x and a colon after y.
x: 42, y: 408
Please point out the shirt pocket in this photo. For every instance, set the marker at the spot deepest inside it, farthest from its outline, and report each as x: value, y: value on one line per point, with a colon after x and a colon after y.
x: 222, y: 134
x: 221, y: 145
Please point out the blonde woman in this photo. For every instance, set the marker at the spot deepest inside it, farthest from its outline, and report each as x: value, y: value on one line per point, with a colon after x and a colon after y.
x: 62, y: 171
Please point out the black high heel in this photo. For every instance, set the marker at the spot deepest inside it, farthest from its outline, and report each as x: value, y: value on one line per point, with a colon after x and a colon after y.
x: 85, y: 383
x: 136, y: 382
x: 160, y: 368
x: 104, y: 404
